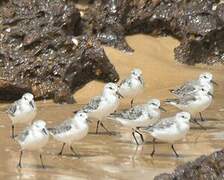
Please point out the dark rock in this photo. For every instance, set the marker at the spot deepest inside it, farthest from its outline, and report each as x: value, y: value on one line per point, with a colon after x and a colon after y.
x: 197, y: 24
x: 205, y: 167
x: 44, y: 52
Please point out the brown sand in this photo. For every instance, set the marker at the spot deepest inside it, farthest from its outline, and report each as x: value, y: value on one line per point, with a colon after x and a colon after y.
x: 117, y: 157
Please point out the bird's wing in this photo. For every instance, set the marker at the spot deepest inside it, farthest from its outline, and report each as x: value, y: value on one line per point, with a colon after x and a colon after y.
x: 22, y: 136
x: 130, y: 114
x: 65, y: 126
x: 92, y: 105
x: 187, y: 99
x: 14, y: 107
x: 187, y: 88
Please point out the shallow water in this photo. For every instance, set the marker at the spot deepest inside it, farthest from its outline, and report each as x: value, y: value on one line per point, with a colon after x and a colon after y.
x: 117, y: 156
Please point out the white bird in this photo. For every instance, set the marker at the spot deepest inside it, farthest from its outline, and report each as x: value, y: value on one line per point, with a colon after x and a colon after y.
x: 33, y: 138
x: 22, y: 111
x: 192, y: 86
x: 170, y: 129
x: 132, y: 85
x: 71, y: 130
x: 139, y: 116
x: 101, y: 106
x: 194, y: 103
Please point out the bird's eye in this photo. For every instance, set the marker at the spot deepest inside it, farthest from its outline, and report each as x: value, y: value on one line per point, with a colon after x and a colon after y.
x: 110, y: 88
x: 203, y: 89
x: 182, y: 116
x: 205, y: 77
x: 153, y: 104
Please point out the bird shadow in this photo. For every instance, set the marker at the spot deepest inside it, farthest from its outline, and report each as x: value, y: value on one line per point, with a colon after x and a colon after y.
x: 35, y: 166
x: 112, y: 133
x: 80, y: 156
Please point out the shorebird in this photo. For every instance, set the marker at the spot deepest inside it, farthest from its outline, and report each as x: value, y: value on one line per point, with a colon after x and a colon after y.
x: 205, y: 79
x: 70, y: 131
x: 132, y: 85
x: 101, y: 106
x: 33, y: 138
x: 22, y: 111
x: 194, y: 103
x: 139, y: 116
x: 169, y: 130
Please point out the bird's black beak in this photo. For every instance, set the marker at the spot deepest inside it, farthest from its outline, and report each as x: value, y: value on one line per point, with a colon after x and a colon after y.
x: 162, y: 109
x: 215, y: 83
x: 140, y: 79
x: 31, y: 103
x: 75, y: 111
x: 44, y: 131
x: 119, y: 95
x: 210, y: 94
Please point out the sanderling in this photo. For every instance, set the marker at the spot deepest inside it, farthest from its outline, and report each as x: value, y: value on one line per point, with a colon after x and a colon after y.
x: 193, y: 103
x: 170, y: 129
x: 71, y: 130
x: 139, y: 116
x: 191, y: 86
x: 22, y: 111
x: 33, y: 138
x: 101, y: 106
x: 133, y: 85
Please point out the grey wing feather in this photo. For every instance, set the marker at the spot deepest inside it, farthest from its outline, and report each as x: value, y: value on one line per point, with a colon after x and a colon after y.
x: 22, y: 137
x: 187, y: 99
x: 187, y: 88
x: 164, y: 124
x: 13, y: 108
x: 92, y: 105
x: 60, y: 129
x: 130, y: 114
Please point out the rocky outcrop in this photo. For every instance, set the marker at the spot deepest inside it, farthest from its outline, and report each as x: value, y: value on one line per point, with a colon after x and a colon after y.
x: 205, y: 167
x: 43, y: 51
x: 197, y: 24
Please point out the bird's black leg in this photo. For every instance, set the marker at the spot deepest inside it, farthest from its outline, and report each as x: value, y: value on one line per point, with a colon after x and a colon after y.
x: 132, y: 102
x: 140, y: 135
x: 196, y: 122
x: 60, y: 153
x: 13, y: 131
x: 133, y: 134
x: 97, y: 126
x: 174, y: 151
x: 105, y: 128
x: 202, y: 119
x: 153, y: 150
x: 76, y: 154
x: 20, y: 159
x: 41, y: 160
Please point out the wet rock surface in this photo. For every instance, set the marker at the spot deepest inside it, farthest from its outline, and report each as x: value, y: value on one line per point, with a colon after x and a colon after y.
x: 43, y: 51
x: 197, y: 24
x: 205, y: 167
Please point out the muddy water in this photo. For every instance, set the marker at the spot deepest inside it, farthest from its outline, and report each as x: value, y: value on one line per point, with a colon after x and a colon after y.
x: 117, y: 156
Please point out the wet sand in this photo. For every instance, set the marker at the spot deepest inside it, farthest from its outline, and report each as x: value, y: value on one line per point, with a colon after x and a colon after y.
x: 117, y: 156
